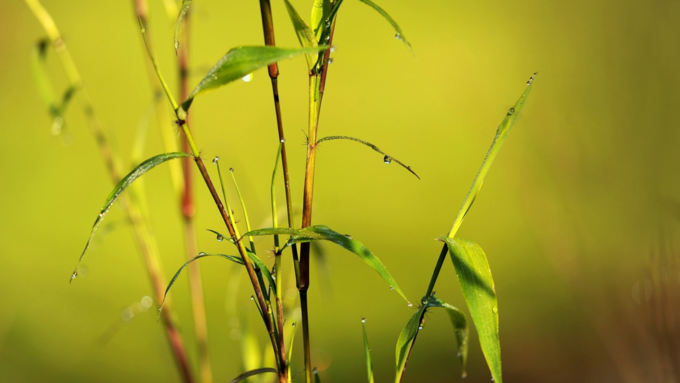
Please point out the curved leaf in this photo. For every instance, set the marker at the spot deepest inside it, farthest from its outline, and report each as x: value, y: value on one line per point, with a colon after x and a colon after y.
x: 237, y: 63
x: 400, y: 34
x: 320, y: 232
x: 474, y: 276
x: 460, y: 329
x: 367, y: 351
x: 405, y: 341
x: 178, y: 25
x: 199, y: 256
x: 387, y: 159
x: 248, y: 374
x: 137, y: 172
x: 304, y: 33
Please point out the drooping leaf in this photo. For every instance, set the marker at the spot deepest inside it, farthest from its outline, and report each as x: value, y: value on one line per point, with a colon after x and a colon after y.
x: 289, y: 357
x: 178, y: 25
x: 459, y: 327
x: 137, y: 172
x: 474, y: 276
x: 199, y: 256
x: 405, y: 341
x: 320, y: 232
x: 320, y: 12
x: 400, y: 34
x: 387, y: 159
x: 237, y: 63
x: 304, y: 33
x: 367, y: 351
x: 248, y: 374
x: 501, y: 134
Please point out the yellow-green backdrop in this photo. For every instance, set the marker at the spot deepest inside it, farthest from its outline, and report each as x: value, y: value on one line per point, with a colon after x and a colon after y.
x: 577, y: 215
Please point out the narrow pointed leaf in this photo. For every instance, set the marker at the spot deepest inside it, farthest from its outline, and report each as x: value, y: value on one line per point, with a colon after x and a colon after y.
x: 474, y: 276
x: 400, y: 34
x: 178, y: 25
x: 289, y: 357
x: 459, y: 327
x: 304, y: 33
x: 387, y: 159
x: 248, y: 374
x: 501, y: 134
x: 320, y: 232
x: 367, y: 351
x: 199, y: 256
x: 239, y: 62
x: 317, y: 379
x: 320, y: 12
x: 325, y: 27
x: 139, y: 171
x: 405, y: 341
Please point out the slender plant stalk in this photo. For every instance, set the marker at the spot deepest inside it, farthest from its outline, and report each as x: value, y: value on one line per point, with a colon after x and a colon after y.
x: 317, y: 86
x: 142, y: 232
x: 188, y: 212
x: 273, y: 69
x: 225, y: 216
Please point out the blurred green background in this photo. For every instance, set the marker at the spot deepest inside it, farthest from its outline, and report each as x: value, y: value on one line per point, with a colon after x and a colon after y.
x: 578, y: 215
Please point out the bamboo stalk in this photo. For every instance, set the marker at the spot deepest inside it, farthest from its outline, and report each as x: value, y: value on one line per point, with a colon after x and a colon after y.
x: 141, y: 231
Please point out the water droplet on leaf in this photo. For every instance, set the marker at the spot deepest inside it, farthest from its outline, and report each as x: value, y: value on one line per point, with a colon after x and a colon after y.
x: 391, y: 287
x: 216, y: 160
x: 220, y: 238
x: 387, y: 160
x: 231, y: 170
x: 363, y: 320
x: 511, y: 111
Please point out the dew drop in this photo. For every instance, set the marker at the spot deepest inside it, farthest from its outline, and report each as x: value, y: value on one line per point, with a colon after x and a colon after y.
x: 220, y: 238
x: 216, y: 160
x: 363, y: 320
x: 398, y: 36
x: 247, y: 78
x: 283, y: 141
x: 410, y: 304
x: 333, y: 48
x: 314, y: 371
x: 74, y: 275
x: 495, y: 310
x: 176, y: 43
x: 330, y: 60
x: 231, y: 170
x: 252, y: 298
x: 391, y: 287
x: 511, y: 111
x: 328, y: 38
x: 202, y: 253
x: 101, y: 215
x: 294, y: 324
x: 387, y: 160
x: 420, y: 327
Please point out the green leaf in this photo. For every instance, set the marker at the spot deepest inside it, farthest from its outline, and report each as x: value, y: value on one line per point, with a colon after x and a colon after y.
x: 367, y: 350
x: 405, y: 341
x: 137, y: 172
x: 387, y: 159
x: 199, y: 256
x: 474, y: 276
x: 178, y: 25
x: 459, y: 327
x: 317, y: 379
x: 320, y: 12
x: 400, y: 34
x: 239, y: 62
x: 289, y: 357
x: 248, y: 374
x: 501, y: 134
x: 304, y: 33
x: 320, y: 232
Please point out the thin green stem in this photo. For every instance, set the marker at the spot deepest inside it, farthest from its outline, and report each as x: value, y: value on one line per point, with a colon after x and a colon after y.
x: 245, y: 211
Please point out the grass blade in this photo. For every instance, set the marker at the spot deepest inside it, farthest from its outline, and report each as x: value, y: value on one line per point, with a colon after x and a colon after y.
x: 239, y: 62
x: 501, y: 134
x: 320, y: 232
x: 320, y: 12
x: 405, y: 342
x: 474, y: 276
x: 400, y: 34
x: 275, y: 220
x: 248, y: 374
x: 178, y: 25
x: 387, y: 159
x: 137, y: 172
x: 304, y: 33
x: 367, y: 350
x: 460, y: 329
x: 289, y: 357
x: 199, y: 256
